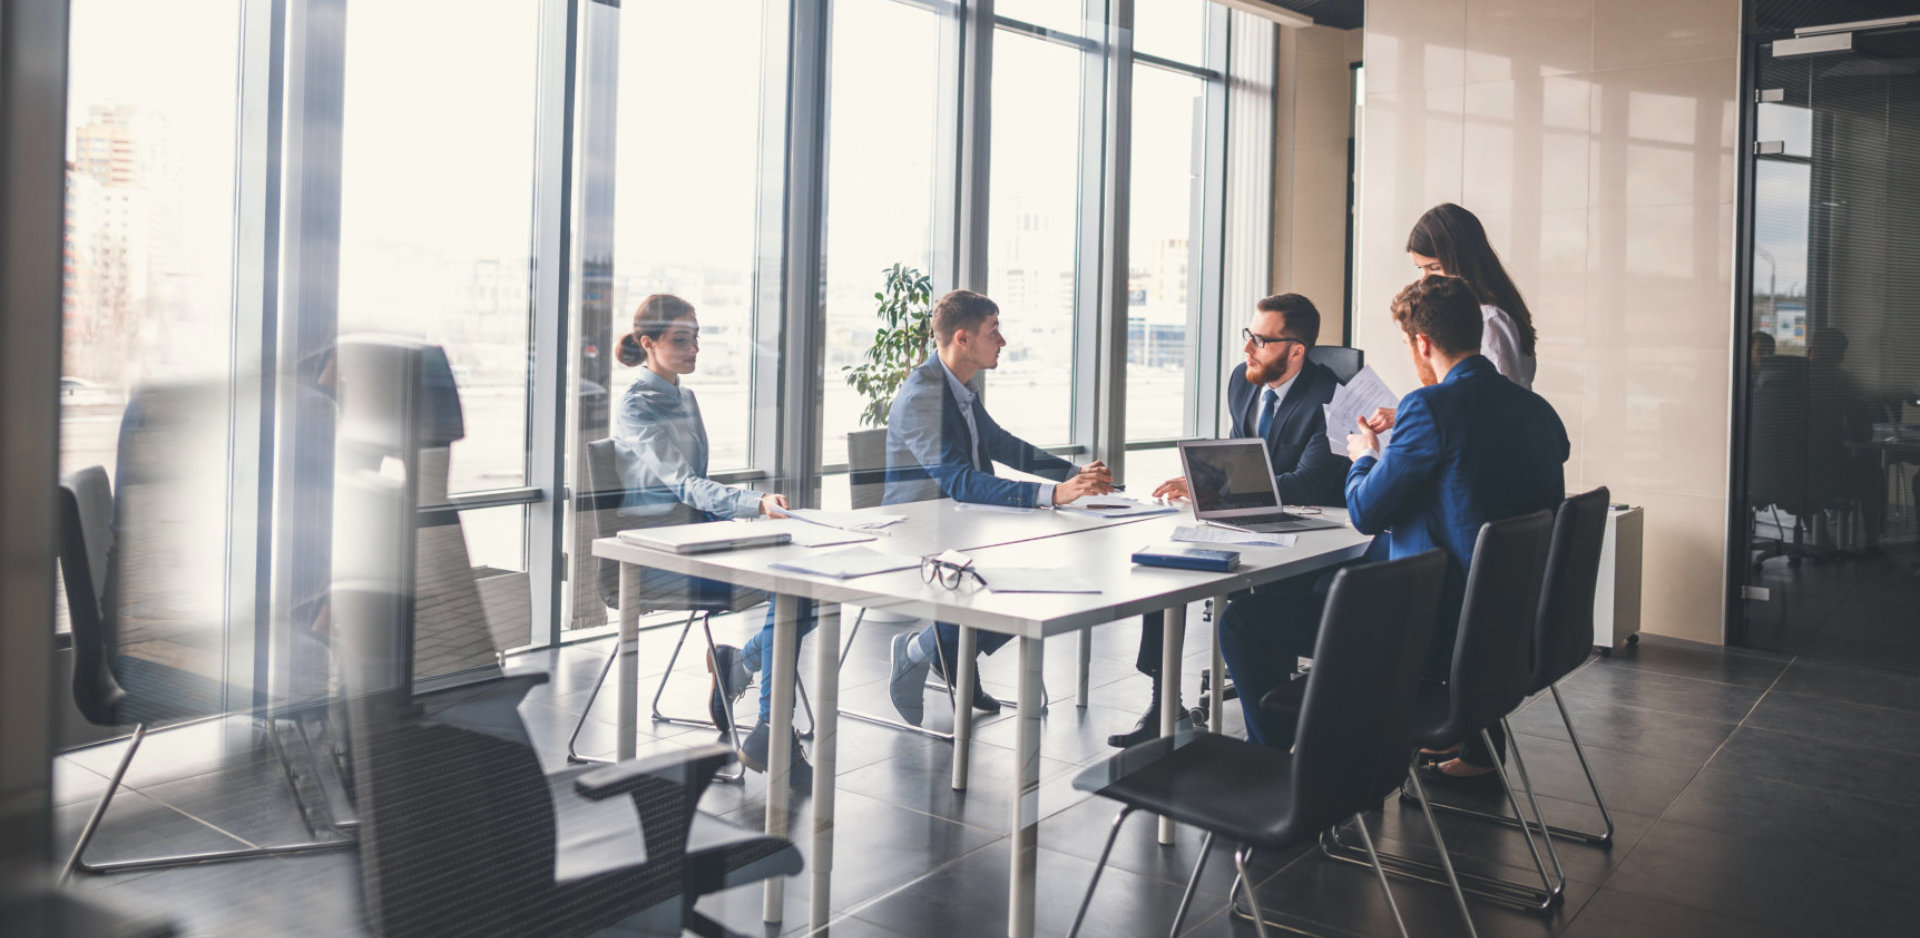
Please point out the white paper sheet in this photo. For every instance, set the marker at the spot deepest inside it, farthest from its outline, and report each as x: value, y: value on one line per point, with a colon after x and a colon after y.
x: 814, y: 535
x: 849, y: 563
x: 1359, y: 397
x: 1208, y: 534
x: 1116, y: 506
x: 847, y: 520
x: 1032, y: 580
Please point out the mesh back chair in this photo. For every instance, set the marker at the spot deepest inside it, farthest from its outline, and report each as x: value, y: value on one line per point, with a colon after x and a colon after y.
x: 131, y: 678
x: 1343, y: 361
x: 607, y: 491
x: 1563, y: 632
x: 1353, y: 733
x: 1488, y: 679
x: 462, y: 834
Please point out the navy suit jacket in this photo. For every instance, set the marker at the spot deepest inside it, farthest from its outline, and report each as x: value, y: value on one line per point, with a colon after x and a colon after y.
x: 1474, y: 448
x: 927, y: 448
x: 1305, y: 466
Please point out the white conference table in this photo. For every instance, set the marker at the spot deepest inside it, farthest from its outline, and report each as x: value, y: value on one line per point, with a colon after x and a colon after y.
x: 1094, y: 548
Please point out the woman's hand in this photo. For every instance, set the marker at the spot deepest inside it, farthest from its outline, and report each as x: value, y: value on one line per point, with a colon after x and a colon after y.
x: 773, y: 506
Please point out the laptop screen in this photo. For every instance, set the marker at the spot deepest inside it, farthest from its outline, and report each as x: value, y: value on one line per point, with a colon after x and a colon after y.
x: 1228, y: 476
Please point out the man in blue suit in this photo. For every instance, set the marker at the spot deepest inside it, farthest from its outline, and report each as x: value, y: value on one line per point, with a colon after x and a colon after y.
x: 1468, y: 447
x: 1275, y: 395
x: 940, y: 442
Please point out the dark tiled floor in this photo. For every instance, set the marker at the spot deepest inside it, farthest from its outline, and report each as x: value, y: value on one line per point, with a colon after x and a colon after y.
x: 1753, y: 794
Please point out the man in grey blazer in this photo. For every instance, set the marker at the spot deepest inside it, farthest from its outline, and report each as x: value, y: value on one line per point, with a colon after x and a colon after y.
x: 1276, y: 395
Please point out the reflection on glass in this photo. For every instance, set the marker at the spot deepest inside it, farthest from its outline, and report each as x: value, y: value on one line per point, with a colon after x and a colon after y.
x: 884, y: 110
x: 436, y: 205
x: 1033, y: 231
x: 686, y: 170
x: 1163, y: 247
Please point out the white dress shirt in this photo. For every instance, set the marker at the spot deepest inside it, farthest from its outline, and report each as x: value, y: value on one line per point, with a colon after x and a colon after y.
x: 1500, y: 342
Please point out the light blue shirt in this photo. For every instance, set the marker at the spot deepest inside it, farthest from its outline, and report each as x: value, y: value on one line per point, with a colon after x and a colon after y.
x: 964, y: 396
x: 663, y: 458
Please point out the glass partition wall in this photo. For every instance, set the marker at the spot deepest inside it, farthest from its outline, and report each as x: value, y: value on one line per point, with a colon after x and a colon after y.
x: 507, y: 181
x: 1828, y: 533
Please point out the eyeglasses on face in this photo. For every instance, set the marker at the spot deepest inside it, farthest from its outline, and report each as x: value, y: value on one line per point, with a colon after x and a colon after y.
x: 947, y: 573
x: 1262, y: 341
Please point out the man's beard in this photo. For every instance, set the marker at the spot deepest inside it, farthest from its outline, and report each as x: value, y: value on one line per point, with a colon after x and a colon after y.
x: 1259, y: 372
x: 1424, y: 369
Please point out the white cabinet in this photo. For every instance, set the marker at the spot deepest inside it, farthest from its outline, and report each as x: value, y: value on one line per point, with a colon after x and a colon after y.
x: 1616, y: 597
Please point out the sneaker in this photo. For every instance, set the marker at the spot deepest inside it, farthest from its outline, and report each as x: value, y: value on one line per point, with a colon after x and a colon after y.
x: 905, y: 684
x: 982, y: 701
x: 753, y: 754
x: 730, y: 680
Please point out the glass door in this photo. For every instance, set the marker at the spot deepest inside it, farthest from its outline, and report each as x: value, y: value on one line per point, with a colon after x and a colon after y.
x: 1832, y: 395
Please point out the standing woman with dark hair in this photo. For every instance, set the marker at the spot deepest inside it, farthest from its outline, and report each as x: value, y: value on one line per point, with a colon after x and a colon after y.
x: 663, y: 464
x: 1449, y: 241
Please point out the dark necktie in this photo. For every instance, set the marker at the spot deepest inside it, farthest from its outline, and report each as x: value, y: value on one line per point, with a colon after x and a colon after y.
x: 1269, y: 405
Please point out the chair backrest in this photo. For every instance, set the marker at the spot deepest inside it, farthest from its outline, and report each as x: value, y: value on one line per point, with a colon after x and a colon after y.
x: 1777, y: 443
x: 605, y: 492
x: 1355, y: 721
x: 1493, y: 651
x: 1563, y: 631
x: 867, y: 466
x: 86, y: 563
x: 1343, y: 361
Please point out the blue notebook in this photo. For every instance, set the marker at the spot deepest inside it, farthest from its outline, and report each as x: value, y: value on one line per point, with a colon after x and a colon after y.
x: 1187, y: 558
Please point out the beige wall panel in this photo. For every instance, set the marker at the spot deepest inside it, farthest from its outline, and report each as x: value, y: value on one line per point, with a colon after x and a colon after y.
x: 1596, y: 141
x: 1649, y: 32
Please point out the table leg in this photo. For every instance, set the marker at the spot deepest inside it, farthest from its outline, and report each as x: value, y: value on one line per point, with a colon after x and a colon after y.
x: 1217, y: 688
x: 966, y: 671
x: 826, y: 743
x: 1026, y: 786
x: 628, y: 683
x: 786, y: 609
x: 1170, y: 649
x: 1086, y: 665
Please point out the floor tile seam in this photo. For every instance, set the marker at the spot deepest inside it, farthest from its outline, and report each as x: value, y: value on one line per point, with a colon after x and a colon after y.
x: 1625, y: 752
x: 1528, y: 874
x: 1635, y: 707
x: 191, y: 816
x: 1685, y: 900
x: 1625, y: 663
x: 885, y: 894
x: 1856, y: 746
x: 1901, y: 711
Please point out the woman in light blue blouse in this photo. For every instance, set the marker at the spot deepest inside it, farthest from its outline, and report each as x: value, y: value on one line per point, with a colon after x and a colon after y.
x: 663, y: 463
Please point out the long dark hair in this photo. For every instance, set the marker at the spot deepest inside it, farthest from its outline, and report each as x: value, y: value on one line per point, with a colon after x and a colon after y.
x: 656, y: 313
x: 1454, y: 237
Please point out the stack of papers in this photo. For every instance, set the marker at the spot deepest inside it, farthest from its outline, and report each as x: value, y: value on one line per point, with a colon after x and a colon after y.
x: 846, y: 564
x: 1031, y: 580
x: 1208, y: 534
x: 845, y: 520
x: 1116, y: 506
x: 1359, y: 397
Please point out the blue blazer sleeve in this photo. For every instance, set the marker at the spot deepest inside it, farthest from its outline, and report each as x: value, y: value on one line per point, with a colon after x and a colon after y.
x: 927, y: 422
x: 1377, y: 490
x: 1004, y: 447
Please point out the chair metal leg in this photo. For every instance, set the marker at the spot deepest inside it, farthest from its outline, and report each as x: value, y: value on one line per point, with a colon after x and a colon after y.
x: 1601, y: 839
x: 672, y: 660
x: 1546, y: 882
x: 1446, y: 859
x: 1539, y: 819
x: 1193, y: 885
x: 573, y: 755
x: 76, y: 860
x: 1099, y: 868
x: 733, y: 720
x: 1253, y: 904
x: 1380, y: 871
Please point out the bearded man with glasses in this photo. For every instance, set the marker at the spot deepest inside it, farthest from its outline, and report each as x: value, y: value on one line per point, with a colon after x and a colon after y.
x: 1276, y: 395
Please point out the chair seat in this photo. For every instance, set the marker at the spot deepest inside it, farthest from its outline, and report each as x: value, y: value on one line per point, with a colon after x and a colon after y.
x: 1436, y: 725
x: 593, y: 838
x: 1225, y: 786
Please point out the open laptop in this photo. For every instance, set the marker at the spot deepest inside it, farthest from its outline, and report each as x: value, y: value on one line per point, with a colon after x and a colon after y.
x: 702, y: 538
x: 1230, y: 483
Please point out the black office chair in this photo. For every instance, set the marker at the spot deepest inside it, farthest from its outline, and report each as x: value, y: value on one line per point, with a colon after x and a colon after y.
x: 137, y: 680
x: 601, y: 509
x: 1492, y: 661
x: 1345, y: 362
x: 1350, y: 750
x: 462, y: 834
x: 1563, y: 633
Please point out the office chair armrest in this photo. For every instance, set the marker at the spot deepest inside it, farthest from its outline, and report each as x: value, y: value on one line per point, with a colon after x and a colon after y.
x: 686, y: 769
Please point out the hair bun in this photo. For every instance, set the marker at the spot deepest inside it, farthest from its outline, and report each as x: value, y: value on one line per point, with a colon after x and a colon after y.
x: 629, y: 351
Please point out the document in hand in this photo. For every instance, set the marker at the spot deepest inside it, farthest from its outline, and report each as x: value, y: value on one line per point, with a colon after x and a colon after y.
x: 1033, y: 580
x: 1116, y: 506
x: 849, y: 563
x: 1359, y: 397
x: 1208, y: 534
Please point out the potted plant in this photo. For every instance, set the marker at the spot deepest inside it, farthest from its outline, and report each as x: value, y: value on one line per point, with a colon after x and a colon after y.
x: 900, y: 345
